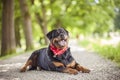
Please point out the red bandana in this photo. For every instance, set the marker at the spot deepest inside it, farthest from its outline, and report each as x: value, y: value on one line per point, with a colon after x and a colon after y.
x: 57, y: 51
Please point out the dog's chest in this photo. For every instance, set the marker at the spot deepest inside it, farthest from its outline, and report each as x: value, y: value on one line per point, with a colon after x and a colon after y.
x: 65, y: 58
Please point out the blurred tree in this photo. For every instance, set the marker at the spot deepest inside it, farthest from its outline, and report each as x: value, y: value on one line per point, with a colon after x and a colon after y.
x: 17, y: 32
x: 8, y: 33
x: 18, y: 21
x: 0, y: 19
x: 117, y: 20
x: 117, y: 17
x: 78, y: 16
x: 27, y: 24
x: 42, y: 20
x: 85, y: 15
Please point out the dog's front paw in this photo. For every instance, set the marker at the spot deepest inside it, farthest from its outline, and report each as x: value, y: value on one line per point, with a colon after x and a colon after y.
x: 23, y: 69
x: 85, y: 70
x: 71, y: 71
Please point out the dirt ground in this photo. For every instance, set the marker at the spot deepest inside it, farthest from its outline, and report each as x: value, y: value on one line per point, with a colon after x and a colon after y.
x: 101, y: 69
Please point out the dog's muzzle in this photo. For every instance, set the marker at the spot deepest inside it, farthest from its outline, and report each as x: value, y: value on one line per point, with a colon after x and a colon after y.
x: 62, y: 43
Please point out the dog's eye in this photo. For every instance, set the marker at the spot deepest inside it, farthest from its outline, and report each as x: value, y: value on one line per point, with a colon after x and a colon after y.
x: 64, y: 39
x: 56, y: 41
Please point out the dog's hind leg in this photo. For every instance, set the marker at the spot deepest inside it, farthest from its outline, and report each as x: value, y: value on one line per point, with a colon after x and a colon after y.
x: 31, y: 62
x: 28, y: 63
x: 33, y: 66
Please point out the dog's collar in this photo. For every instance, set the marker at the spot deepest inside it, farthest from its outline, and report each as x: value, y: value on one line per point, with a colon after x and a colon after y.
x: 57, y: 51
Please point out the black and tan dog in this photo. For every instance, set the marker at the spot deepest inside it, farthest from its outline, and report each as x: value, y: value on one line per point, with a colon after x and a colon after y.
x: 57, y: 57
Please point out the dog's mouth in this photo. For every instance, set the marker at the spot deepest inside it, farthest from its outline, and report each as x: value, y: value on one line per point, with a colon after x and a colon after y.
x: 60, y: 44
x: 61, y: 41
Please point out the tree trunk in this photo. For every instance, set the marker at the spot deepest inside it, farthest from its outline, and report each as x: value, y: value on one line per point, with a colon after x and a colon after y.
x: 17, y: 32
x: 27, y: 24
x: 8, y: 32
x: 117, y: 20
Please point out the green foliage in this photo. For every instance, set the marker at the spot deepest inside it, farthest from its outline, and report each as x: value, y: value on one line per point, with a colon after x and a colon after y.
x: 87, y: 15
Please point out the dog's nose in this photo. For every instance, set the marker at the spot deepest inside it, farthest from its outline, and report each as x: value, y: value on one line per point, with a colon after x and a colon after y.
x: 62, y: 36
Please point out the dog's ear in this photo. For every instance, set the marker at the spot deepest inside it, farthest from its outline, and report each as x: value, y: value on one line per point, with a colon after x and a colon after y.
x: 50, y: 34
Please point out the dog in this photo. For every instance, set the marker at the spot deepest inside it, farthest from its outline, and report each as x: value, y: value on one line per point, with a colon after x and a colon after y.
x: 56, y: 57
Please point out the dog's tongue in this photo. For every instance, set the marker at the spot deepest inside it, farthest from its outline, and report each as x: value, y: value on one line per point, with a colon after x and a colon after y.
x: 62, y: 43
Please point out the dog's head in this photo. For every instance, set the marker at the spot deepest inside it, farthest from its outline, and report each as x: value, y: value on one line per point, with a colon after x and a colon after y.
x: 58, y: 38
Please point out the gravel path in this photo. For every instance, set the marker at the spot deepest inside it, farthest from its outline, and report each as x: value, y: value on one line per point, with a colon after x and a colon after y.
x: 101, y: 69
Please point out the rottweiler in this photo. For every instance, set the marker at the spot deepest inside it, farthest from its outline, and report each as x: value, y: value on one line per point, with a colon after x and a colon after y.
x: 56, y: 57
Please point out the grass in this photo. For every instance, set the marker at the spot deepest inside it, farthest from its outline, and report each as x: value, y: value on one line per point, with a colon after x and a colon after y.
x: 19, y: 53
x: 11, y: 55
x: 108, y: 51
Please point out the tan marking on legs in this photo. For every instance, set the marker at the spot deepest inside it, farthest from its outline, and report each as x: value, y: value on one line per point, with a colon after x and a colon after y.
x: 58, y: 64
x: 70, y: 71
x: 72, y: 64
x: 23, y: 69
x: 83, y: 69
